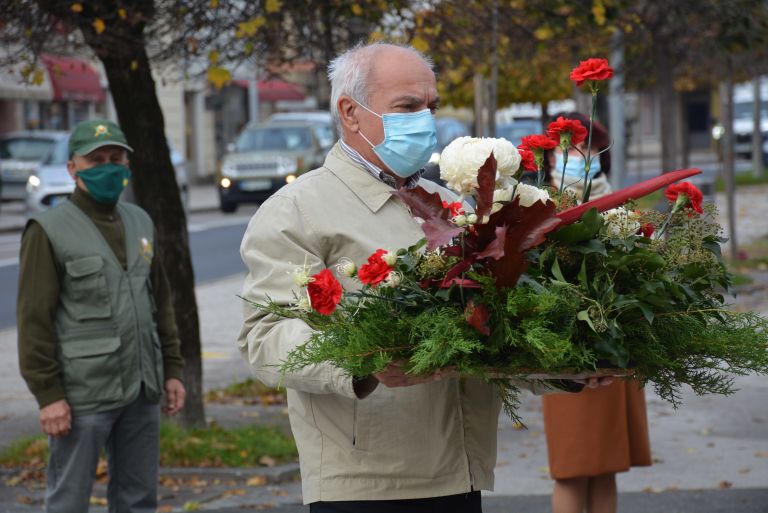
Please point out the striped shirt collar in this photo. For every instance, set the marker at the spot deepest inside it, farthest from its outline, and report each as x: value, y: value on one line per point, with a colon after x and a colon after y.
x: 410, y: 183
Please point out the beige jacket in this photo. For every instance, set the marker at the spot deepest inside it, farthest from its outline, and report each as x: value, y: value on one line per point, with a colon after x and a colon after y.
x: 396, y: 443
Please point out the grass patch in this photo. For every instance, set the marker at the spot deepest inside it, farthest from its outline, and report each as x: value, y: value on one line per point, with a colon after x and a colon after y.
x: 213, y: 446
x: 249, y: 391
x: 650, y: 201
x: 742, y: 180
x: 753, y: 257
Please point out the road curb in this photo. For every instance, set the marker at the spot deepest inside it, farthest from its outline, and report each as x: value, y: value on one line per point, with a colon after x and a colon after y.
x: 274, y: 475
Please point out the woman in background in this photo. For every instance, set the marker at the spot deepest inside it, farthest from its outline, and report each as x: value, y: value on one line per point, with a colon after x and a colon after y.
x: 600, y: 431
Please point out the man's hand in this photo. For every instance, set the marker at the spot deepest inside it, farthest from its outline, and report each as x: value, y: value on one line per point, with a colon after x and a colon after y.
x: 175, y: 396
x: 396, y: 376
x: 56, y: 418
x: 595, y: 382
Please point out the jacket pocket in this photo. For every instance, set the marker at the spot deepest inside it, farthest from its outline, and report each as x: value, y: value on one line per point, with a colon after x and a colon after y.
x: 91, y: 369
x: 87, y: 287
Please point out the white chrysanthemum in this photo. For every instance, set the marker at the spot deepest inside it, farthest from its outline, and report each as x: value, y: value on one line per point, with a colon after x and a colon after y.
x: 621, y: 222
x: 507, y: 157
x: 463, y: 157
x: 529, y: 194
x: 346, y: 267
x: 502, y: 195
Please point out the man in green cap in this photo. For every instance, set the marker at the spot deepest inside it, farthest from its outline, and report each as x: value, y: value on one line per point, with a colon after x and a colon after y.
x: 98, y: 345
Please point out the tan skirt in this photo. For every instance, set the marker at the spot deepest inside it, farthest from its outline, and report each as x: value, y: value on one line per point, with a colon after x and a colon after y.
x: 597, y: 431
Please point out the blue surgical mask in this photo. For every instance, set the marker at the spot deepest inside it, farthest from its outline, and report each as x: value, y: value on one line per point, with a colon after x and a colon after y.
x: 574, y: 168
x: 409, y: 140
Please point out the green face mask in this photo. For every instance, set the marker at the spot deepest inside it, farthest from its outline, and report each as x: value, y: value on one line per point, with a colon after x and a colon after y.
x: 105, y: 182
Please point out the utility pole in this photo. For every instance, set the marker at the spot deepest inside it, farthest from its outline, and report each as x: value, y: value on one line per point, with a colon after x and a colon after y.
x: 758, y: 165
x: 616, y: 113
x: 726, y: 97
x: 493, y: 86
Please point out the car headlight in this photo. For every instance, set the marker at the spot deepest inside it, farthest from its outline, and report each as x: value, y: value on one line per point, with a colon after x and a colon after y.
x: 228, y: 168
x: 33, y: 182
x: 435, y: 158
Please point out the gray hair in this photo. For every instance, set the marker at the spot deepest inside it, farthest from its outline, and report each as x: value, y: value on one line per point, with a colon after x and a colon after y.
x: 349, y: 72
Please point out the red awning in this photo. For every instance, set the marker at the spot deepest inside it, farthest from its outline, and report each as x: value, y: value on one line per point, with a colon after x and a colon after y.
x: 73, y: 79
x: 275, y: 90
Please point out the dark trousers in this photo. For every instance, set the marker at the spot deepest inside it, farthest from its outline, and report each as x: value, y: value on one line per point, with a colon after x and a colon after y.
x: 462, y: 503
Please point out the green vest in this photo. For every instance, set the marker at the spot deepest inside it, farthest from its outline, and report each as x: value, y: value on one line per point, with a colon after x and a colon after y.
x: 108, y: 344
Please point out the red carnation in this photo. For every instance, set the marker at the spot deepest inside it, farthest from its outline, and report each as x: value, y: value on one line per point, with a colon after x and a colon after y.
x: 456, y: 208
x: 591, y: 69
x: 569, y: 129
x: 477, y: 316
x: 376, y: 270
x: 324, y: 292
x: 538, y: 142
x: 527, y: 159
x: 692, y: 195
x: 647, y: 229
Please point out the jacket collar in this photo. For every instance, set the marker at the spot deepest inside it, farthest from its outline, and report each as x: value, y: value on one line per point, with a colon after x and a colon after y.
x: 371, y: 191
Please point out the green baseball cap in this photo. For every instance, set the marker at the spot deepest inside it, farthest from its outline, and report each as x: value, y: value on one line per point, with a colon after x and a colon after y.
x: 90, y: 135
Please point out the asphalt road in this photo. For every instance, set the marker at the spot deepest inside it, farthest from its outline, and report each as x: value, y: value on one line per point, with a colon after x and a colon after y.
x: 214, y: 242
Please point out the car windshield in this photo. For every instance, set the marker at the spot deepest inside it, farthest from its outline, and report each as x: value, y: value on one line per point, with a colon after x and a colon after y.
x: 274, y: 138
x: 59, y: 155
x: 25, y: 148
x: 514, y: 132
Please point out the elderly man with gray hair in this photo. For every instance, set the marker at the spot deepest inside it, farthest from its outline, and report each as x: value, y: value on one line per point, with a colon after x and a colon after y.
x: 392, y: 442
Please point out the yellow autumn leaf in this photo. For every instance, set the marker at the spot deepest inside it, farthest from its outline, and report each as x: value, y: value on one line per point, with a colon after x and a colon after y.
x: 273, y: 5
x: 213, y: 57
x: 213, y: 4
x: 134, y: 65
x: 357, y: 10
x: 248, y: 48
x: 420, y: 44
x: 543, y: 33
x: 191, y: 506
x: 122, y: 13
x: 219, y: 77
x: 38, y: 77
x: 598, y: 11
x: 98, y: 25
x: 76, y: 7
x: 250, y: 27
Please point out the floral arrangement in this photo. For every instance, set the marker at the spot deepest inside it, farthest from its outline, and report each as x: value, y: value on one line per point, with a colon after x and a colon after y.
x: 530, y: 284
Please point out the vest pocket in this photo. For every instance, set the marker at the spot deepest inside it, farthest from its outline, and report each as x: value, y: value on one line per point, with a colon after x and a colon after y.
x: 88, y: 288
x: 91, y: 370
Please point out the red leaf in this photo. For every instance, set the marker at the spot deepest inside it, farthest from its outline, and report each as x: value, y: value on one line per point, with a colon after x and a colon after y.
x: 618, y: 198
x: 495, y: 249
x: 486, y: 181
x: 439, y: 232
x: 477, y: 316
x: 423, y: 204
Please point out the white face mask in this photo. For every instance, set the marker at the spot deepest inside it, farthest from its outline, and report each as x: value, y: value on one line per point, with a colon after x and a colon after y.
x: 574, y: 168
x: 409, y: 140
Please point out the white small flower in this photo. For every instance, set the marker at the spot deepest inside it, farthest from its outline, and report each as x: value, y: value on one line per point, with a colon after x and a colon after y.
x: 460, y: 220
x: 389, y: 258
x: 472, y: 218
x: 304, y: 304
x: 393, y: 279
x: 530, y: 194
x: 621, y: 222
x: 346, y: 267
x: 301, y: 276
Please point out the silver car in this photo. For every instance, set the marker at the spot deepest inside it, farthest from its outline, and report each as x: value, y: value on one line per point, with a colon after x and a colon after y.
x: 265, y: 157
x: 21, y: 154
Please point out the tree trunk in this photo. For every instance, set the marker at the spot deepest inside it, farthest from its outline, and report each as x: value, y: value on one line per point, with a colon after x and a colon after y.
x: 758, y: 165
x: 154, y: 184
x: 666, y: 92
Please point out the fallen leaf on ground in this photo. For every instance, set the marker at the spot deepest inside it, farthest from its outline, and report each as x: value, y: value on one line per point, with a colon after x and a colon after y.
x: 761, y: 454
x: 98, y: 501
x: 267, y: 461
x: 724, y: 485
x: 24, y: 499
x: 745, y: 470
x: 236, y: 491
x: 257, y: 481
x: 249, y: 414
